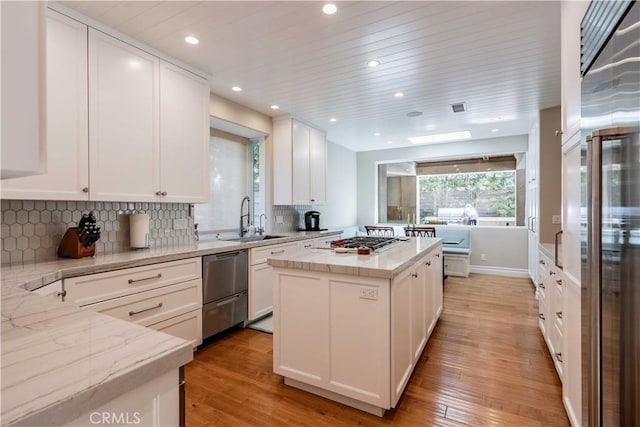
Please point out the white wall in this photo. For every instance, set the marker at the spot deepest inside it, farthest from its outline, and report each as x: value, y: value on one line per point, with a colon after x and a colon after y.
x: 341, y: 207
x: 367, y: 161
x: 232, y: 112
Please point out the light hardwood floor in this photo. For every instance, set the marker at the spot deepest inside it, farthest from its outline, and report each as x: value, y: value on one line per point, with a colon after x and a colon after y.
x: 486, y: 364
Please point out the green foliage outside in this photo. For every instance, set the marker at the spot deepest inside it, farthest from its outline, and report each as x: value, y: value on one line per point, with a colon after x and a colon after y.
x: 493, y: 194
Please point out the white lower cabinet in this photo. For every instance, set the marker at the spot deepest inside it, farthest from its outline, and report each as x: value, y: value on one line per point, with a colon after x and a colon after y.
x: 155, y: 403
x: 559, y: 299
x: 572, y: 351
x: 354, y: 339
x: 260, y: 277
x: 165, y: 296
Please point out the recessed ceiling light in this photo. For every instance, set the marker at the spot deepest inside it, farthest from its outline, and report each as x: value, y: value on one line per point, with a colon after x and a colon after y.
x: 275, y: 107
x: 373, y: 63
x: 135, y: 64
x: 329, y: 9
x: 495, y: 130
x: 389, y: 142
x: 191, y: 40
x: 333, y: 119
x: 398, y: 94
x: 414, y: 113
x: 236, y: 89
x: 376, y: 134
x: 441, y: 137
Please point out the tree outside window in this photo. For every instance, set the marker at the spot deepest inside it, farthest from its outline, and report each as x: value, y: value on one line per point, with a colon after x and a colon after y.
x: 443, y: 197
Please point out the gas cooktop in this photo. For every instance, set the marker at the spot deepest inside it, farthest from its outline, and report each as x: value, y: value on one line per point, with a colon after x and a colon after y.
x: 372, y: 242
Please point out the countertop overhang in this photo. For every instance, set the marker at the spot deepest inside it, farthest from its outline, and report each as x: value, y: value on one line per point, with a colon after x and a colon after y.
x: 385, y: 264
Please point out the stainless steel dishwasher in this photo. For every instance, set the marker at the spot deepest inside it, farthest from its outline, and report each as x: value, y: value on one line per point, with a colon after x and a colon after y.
x: 224, y: 291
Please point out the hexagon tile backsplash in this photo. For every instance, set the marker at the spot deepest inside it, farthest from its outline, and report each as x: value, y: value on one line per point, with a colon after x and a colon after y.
x: 32, y: 229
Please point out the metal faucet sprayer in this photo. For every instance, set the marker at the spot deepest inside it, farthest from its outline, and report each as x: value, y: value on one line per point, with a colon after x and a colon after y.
x: 248, y: 214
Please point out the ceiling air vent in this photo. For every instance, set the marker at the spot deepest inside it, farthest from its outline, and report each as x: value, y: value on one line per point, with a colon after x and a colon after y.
x: 458, y: 108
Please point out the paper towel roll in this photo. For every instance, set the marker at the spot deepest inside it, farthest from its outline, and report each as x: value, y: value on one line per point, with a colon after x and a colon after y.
x: 138, y: 231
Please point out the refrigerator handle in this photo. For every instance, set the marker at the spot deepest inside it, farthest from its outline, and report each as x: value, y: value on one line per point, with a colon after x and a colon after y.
x: 557, y: 258
x: 594, y: 236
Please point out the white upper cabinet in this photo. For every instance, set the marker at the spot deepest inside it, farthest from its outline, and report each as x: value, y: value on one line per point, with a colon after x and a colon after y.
x: 184, y: 135
x: 300, y: 158
x: 67, y: 176
x: 572, y: 13
x: 123, y: 121
x: 317, y: 167
x: 23, y: 39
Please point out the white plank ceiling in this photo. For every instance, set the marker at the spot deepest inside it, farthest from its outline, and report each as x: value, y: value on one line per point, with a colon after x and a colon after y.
x: 502, y: 59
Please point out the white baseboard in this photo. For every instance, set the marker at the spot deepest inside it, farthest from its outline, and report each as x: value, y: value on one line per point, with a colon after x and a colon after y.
x: 500, y: 271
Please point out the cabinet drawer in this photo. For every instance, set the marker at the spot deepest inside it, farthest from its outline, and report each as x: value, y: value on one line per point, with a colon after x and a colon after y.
x: 146, y: 308
x: 113, y: 284
x: 260, y: 255
x: 187, y: 326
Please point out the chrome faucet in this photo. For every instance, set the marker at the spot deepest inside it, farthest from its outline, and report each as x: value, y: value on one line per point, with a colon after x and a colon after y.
x: 261, y: 228
x: 248, y: 215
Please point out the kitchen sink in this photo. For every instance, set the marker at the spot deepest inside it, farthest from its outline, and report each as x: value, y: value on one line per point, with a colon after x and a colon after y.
x: 254, y: 238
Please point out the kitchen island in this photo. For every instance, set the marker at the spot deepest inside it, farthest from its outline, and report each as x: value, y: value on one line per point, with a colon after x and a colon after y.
x: 351, y: 327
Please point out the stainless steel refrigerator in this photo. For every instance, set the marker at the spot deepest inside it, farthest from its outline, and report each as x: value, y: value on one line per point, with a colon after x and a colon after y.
x: 610, y: 121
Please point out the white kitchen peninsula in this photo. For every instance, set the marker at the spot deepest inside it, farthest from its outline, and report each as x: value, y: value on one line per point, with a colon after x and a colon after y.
x: 351, y: 327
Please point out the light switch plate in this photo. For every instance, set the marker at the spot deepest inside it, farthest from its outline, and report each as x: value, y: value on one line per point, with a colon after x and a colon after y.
x: 368, y: 292
x: 555, y: 219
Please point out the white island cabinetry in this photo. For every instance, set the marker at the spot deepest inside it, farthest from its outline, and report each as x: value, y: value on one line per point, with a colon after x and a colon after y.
x: 355, y: 335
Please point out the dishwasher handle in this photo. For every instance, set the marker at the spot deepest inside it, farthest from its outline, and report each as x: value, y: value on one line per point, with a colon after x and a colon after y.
x: 225, y: 255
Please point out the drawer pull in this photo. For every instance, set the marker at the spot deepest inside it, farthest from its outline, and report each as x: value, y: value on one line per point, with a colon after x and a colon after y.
x: 541, y: 285
x: 133, y: 313
x: 438, y: 255
x: 228, y: 301
x: 414, y: 275
x: 281, y: 251
x: 559, y: 357
x: 157, y: 276
x: 541, y: 316
x: 428, y: 263
x: 559, y: 282
x: 542, y: 262
x: 552, y: 273
x: 559, y: 314
x: 62, y: 294
x: 308, y: 246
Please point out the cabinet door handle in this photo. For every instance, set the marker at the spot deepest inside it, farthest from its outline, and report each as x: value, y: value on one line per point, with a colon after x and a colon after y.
x: 308, y: 246
x: 559, y: 314
x: 438, y: 255
x: 85, y: 190
x: 133, y: 313
x: 158, y: 193
x: 541, y: 285
x: 281, y: 251
x: 559, y: 357
x: 552, y: 273
x: 541, y: 316
x: 313, y: 200
x: 414, y: 275
x: 164, y: 193
x: 62, y: 294
x: 157, y: 276
x: 559, y: 282
x: 542, y: 262
x: 428, y: 263
x: 558, y: 133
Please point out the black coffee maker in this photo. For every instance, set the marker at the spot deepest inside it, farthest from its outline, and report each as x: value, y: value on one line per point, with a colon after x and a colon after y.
x: 312, y: 221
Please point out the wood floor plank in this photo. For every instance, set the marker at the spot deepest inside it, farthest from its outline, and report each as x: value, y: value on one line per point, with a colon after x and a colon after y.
x: 485, y: 364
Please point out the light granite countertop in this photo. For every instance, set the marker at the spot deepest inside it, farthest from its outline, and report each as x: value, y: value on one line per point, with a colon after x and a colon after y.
x: 386, y: 264
x: 60, y: 361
